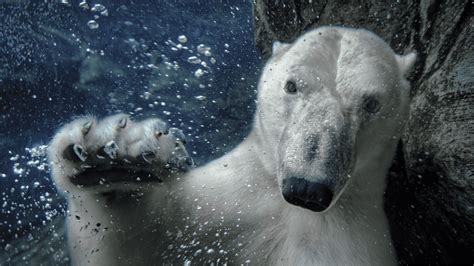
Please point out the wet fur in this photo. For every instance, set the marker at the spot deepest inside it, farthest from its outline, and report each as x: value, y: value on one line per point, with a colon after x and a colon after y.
x: 234, y: 203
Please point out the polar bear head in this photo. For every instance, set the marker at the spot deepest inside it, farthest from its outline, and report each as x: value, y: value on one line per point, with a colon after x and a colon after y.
x: 331, y: 108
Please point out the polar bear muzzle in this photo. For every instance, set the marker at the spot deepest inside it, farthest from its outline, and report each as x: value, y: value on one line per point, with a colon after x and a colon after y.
x: 316, y: 154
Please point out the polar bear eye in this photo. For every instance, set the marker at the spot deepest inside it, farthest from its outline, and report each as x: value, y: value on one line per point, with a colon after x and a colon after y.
x: 371, y: 105
x: 290, y: 87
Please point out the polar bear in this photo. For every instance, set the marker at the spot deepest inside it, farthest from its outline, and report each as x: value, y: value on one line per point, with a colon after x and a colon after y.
x: 304, y: 188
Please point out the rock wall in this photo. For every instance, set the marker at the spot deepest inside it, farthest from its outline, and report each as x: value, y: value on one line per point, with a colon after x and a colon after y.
x: 429, y: 198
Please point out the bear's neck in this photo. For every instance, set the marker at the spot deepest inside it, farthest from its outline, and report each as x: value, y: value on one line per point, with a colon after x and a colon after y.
x: 359, y: 216
x: 354, y: 231
x: 349, y: 233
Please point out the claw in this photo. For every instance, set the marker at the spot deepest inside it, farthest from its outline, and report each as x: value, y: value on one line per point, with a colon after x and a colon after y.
x: 178, y: 134
x: 189, y: 161
x: 123, y: 122
x: 148, y: 156
x: 86, y: 127
x: 111, y: 149
x: 75, y: 153
x: 161, y: 128
x: 180, y: 163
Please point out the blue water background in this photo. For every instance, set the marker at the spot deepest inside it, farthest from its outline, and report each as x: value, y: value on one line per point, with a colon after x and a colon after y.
x: 55, y: 67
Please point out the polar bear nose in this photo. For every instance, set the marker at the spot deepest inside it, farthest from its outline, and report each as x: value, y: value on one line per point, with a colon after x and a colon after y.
x: 310, y: 195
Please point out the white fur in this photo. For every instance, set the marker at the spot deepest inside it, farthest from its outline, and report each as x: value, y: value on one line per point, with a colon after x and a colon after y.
x: 232, y: 209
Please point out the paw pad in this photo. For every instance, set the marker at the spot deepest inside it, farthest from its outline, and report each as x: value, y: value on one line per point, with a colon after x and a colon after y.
x: 111, y: 149
x: 75, y: 153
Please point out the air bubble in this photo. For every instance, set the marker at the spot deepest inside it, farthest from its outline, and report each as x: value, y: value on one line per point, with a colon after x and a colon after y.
x: 98, y: 8
x: 200, y: 97
x: 204, y: 49
x: 198, y: 73
x: 92, y: 24
x: 197, y: 253
x: 66, y: 2
x: 83, y: 5
x: 182, y: 39
x: 194, y: 60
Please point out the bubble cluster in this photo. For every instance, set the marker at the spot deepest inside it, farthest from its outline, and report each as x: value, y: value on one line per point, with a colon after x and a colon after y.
x: 98, y: 10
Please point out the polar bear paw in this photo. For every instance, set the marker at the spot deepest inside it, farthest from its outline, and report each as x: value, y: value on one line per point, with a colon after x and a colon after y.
x: 88, y: 153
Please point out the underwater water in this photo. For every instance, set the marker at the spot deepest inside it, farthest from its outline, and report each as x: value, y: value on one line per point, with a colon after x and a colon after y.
x: 193, y: 64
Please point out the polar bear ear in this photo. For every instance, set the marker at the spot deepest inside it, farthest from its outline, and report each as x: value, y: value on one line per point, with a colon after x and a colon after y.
x: 279, y: 47
x: 406, y: 63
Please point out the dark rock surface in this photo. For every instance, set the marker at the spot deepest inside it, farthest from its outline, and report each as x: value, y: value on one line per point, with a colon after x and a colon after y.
x: 429, y: 199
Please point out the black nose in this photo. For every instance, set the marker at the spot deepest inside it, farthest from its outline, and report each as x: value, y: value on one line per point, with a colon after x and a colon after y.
x: 310, y: 195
